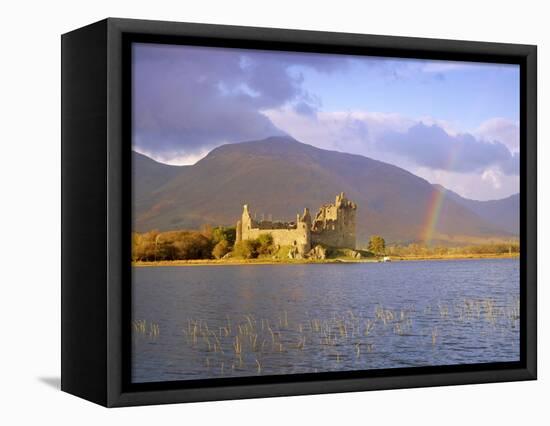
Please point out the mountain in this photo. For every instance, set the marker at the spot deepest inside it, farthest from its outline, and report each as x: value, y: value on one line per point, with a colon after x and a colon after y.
x: 279, y: 176
x: 503, y: 213
x: 148, y: 176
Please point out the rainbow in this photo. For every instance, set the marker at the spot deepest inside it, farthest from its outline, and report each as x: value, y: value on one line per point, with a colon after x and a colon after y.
x: 436, y: 202
x: 432, y: 217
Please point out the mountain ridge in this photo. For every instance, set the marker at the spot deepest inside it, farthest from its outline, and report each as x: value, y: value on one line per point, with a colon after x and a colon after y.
x: 280, y: 176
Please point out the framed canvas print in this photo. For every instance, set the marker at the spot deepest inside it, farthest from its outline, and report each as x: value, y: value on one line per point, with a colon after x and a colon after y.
x: 253, y: 212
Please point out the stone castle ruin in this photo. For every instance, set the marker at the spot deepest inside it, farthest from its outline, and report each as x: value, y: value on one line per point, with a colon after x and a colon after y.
x: 333, y: 226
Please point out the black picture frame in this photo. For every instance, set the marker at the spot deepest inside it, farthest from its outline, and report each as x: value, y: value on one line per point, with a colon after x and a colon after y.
x: 96, y: 209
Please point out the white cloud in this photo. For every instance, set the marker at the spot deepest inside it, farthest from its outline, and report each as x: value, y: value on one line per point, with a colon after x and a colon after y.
x: 502, y: 130
x: 491, y: 185
x: 450, y: 128
x: 349, y: 131
x: 494, y: 176
x: 177, y: 159
x: 187, y: 160
x: 479, y: 171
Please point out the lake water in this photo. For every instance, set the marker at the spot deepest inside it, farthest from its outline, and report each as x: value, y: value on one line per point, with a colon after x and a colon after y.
x: 199, y: 322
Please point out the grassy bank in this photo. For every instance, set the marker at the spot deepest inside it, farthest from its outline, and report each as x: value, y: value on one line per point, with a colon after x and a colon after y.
x: 240, y: 262
x: 457, y: 256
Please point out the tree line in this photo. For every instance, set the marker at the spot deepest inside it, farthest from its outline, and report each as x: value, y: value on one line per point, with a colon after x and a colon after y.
x: 206, y: 243
x: 377, y: 246
x: 218, y: 242
x: 414, y: 249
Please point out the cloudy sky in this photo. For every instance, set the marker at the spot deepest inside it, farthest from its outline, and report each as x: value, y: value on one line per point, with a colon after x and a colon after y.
x: 453, y: 123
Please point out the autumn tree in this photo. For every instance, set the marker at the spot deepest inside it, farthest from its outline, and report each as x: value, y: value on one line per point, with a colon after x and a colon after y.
x: 265, y: 244
x: 192, y: 245
x: 247, y: 249
x: 227, y: 233
x: 221, y: 249
x: 377, y: 244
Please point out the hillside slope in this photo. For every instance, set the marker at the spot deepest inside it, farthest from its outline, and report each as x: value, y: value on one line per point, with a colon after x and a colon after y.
x: 503, y: 213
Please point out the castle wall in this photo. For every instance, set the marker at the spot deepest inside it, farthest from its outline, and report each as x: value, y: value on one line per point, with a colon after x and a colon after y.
x: 334, y: 237
x: 281, y: 237
x: 283, y: 234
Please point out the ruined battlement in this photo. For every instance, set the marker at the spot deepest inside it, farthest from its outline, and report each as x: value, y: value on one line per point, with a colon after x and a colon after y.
x: 333, y: 226
x: 268, y: 224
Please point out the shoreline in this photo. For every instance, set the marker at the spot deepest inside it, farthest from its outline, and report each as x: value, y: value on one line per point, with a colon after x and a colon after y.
x: 338, y: 261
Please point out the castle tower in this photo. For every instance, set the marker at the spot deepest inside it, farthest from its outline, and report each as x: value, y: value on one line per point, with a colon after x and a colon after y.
x: 346, y: 215
x: 239, y: 229
x: 340, y: 200
x: 244, y: 225
x: 303, y: 226
x: 246, y: 219
x: 306, y: 217
x: 334, y: 224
